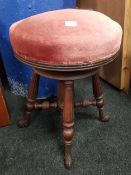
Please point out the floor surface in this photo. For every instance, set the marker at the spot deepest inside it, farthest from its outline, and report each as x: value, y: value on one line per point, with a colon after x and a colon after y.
x: 98, y: 148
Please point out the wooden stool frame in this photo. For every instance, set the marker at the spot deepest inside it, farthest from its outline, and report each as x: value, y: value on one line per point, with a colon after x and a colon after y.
x: 65, y: 102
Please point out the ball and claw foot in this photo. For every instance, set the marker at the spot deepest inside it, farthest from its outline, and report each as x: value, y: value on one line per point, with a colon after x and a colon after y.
x: 23, y: 123
x: 103, y: 116
x: 68, y: 162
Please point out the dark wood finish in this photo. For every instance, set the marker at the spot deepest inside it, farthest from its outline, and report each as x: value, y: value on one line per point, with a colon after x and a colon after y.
x: 61, y: 89
x: 65, y: 102
x: 32, y: 95
x: 68, y: 121
x: 85, y: 103
x: 70, y: 75
x: 68, y: 68
x: 46, y: 104
x: 97, y: 91
x: 4, y: 116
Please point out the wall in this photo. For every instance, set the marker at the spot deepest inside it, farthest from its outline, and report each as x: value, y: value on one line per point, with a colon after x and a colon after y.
x: 116, y: 10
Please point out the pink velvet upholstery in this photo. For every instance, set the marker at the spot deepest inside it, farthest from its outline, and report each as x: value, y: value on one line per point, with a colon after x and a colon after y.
x: 66, y: 37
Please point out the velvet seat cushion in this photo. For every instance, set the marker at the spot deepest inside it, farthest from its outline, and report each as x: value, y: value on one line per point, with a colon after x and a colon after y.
x: 66, y: 37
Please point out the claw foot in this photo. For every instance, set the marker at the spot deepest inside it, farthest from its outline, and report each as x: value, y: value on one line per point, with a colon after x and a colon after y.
x: 68, y: 162
x: 22, y: 123
x: 103, y: 116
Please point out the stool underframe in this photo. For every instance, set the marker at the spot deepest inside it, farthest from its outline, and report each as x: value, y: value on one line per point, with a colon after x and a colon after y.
x: 65, y: 101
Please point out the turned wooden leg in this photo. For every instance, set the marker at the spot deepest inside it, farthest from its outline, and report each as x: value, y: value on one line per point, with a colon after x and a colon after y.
x: 32, y: 94
x: 68, y: 121
x: 61, y: 95
x: 97, y: 91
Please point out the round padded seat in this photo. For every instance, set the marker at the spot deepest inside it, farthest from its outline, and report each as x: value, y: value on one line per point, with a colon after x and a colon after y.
x: 66, y: 37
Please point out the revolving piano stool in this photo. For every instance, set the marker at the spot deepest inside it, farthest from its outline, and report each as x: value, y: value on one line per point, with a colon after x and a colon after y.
x: 66, y: 45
